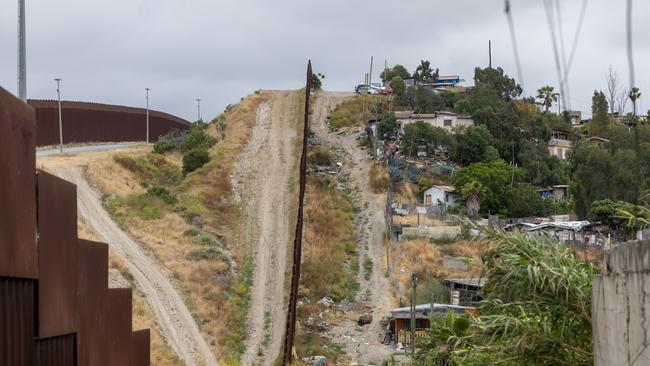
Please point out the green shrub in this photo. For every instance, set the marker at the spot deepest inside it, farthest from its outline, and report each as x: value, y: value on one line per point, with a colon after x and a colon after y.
x: 194, y: 159
x: 198, y: 138
x: 205, y: 239
x: 204, y: 253
x: 320, y: 156
x: 150, y: 213
x: 167, y: 143
x: 192, y: 232
x: 164, y: 194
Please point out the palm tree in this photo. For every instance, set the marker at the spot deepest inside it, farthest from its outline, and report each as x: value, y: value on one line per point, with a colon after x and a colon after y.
x: 423, y: 72
x: 634, y: 94
x: 546, y: 95
x: 473, y: 193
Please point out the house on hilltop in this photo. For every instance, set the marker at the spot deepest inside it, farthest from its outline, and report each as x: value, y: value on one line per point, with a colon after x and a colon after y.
x: 442, y: 119
x: 559, y: 145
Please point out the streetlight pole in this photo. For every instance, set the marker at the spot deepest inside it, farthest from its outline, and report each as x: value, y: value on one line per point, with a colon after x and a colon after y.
x: 147, y: 90
x: 22, y: 50
x: 198, y: 108
x: 58, y: 93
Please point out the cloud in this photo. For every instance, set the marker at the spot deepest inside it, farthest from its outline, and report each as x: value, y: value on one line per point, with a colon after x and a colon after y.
x: 109, y: 51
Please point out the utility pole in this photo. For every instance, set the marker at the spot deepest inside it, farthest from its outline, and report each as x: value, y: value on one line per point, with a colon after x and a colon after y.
x: 490, y: 53
x: 414, y: 283
x: 370, y: 75
x: 58, y: 93
x: 198, y: 108
x: 147, y: 90
x: 385, y: 71
x: 22, y: 52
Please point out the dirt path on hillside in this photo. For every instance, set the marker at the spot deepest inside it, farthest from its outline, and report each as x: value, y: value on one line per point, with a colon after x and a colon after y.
x: 173, y: 317
x: 261, y: 180
x: 362, y: 343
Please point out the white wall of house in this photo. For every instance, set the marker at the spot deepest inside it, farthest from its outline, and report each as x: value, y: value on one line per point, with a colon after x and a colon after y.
x: 437, y: 196
x: 446, y: 120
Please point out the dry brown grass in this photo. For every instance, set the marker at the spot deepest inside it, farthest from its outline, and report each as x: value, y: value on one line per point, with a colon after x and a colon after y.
x: 205, y: 283
x: 378, y: 178
x: 425, y: 259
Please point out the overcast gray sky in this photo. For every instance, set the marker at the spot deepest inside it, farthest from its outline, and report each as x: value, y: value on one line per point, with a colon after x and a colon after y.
x: 110, y: 50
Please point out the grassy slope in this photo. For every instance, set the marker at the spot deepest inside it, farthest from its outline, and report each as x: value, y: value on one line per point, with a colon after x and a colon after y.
x: 211, y: 267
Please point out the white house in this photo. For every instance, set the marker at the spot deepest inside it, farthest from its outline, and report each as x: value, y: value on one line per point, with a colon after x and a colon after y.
x: 446, y: 120
x: 440, y: 196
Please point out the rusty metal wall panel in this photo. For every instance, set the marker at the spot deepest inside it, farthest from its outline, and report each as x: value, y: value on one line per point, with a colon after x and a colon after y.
x: 118, y: 331
x: 57, y: 255
x: 55, y: 351
x: 91, y: 122
x: 92, y: 290
x: 16, y: 321
x: 140, y: 348
x: 18, y: 256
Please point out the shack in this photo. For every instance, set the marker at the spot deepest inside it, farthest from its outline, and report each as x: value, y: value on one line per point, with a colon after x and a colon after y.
x: 464, y: 291
x: 400, y: 321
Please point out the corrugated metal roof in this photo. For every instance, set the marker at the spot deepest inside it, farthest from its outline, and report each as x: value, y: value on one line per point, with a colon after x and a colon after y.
x: 478, y: 282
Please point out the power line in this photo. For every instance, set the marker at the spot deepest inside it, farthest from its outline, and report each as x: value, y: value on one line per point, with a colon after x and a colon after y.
x: 630, y: 59
x: 548, y: 7
x: 513, y: 37
x: 576, y: 37
x: 558, y: 14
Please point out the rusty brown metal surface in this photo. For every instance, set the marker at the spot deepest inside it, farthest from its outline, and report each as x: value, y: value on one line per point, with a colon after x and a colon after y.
x: 290, y: 330
x: 55, y: 305
x: 140, y: 348
x: 16, y: 321
x: 57, y: 255
x: 94, y: 122
x: 118, y: 327
x: 18, y: 212
x: 92, y: 289
x: 55, y: 351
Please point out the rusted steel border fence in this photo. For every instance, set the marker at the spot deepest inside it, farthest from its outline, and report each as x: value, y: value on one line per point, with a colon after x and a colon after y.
x: 297, y: 243
x: 55, y: 304
x: 94, y: 122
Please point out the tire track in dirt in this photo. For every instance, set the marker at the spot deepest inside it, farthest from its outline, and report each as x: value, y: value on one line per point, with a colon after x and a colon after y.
x: 362, y: 347
x: 176, y: 322
x: 261, y: 179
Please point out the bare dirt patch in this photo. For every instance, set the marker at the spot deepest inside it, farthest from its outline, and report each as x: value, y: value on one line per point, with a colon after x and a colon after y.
x: 262, y: 179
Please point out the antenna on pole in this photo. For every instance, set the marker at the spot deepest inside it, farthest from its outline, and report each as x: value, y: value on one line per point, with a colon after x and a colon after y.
x: 22, y: 53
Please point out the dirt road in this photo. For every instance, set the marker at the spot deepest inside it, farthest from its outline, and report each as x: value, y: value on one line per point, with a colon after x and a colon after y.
x: 362, y: 343
x: 262, y: 182
x: 175, y: 321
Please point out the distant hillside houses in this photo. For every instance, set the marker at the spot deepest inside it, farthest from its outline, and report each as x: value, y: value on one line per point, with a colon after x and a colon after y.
x: 446, y: 120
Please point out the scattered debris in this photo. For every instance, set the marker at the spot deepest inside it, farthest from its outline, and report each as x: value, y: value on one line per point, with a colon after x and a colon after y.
x: 364, y: 319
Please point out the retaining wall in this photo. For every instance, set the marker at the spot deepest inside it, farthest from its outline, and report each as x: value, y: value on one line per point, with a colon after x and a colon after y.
x: 621, y: 306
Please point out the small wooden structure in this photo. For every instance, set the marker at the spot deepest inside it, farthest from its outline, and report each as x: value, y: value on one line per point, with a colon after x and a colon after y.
x: 400, y: 321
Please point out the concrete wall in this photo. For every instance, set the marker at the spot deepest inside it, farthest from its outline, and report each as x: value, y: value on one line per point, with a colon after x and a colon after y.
x: 621, y: 306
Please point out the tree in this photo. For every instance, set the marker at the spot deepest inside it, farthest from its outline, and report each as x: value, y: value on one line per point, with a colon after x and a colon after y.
x: 397, y: 70
x: 525, y: 201
x: 398, y: 85
x: 546, y: 95
x: 317, y: 81
x: 496, y: 176
x: 387, y: 127
x: 599, y: 118
x: 195, y: 159
x: 474, y: 145
x: 424, y: 72
x: 473, y: 193
x: 495, y: 79
x: 422, y: 133
x: 614, y: 89
x: 634, y: 95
